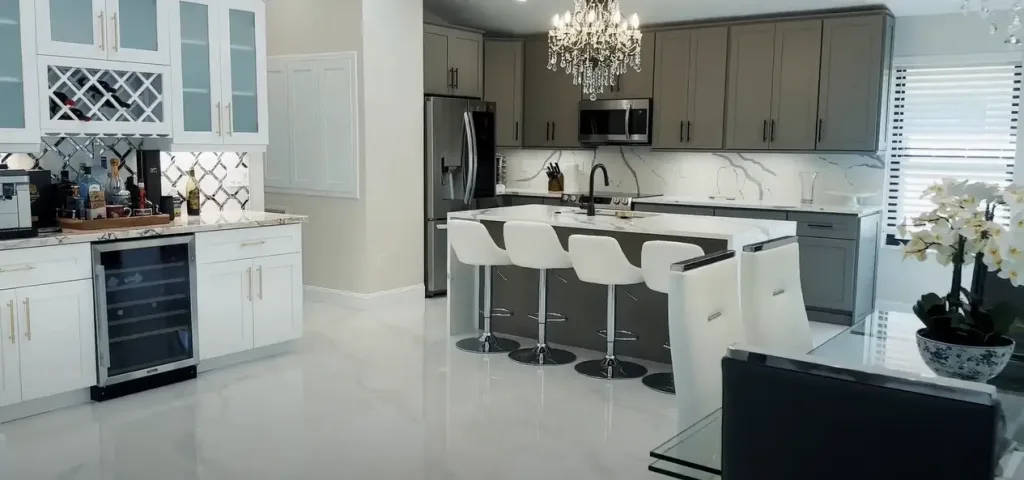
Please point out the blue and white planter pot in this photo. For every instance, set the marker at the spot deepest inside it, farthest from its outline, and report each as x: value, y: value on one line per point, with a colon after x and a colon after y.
x: 979, y: 364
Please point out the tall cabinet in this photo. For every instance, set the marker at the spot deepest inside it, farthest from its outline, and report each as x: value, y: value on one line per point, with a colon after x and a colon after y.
x: 19, y: 117
x: 551, y: 107
x: 121, y: 30
x: 773, y: 72
x: 503, y: 85
x: 690, y: 88
x: 219, y: 69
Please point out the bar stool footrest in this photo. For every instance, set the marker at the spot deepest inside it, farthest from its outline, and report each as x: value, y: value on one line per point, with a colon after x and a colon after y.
x: 661, y: 382
x: 499, y: 312
x: 552, y: 317
x: 620, y: 335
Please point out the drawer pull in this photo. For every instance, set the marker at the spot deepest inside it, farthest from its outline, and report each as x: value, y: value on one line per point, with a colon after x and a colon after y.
x: 28, y: 321
x: 778, y: 292
x: 11, y: 305
x: 714, y: 316
x: 821, y: 225
x: 19, y: 269
x: 253, y: 244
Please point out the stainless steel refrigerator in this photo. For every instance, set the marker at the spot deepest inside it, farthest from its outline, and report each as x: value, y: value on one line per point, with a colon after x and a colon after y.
x: 459, y: 174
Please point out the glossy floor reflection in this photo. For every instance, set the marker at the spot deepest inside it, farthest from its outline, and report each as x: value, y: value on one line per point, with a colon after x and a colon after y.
x: 368, y: 395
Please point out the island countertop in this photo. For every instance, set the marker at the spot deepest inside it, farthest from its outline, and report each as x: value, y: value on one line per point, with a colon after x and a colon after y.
x: 182, y: 225
x: 737, y: 231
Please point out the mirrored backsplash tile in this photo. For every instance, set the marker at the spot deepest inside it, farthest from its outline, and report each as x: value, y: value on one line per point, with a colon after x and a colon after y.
x: 222, y: 177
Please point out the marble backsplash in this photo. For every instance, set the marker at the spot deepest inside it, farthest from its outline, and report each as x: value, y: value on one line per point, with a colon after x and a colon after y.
x: 748, y: 176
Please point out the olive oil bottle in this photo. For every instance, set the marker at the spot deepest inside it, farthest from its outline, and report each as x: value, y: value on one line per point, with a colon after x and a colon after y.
x: 192, y: 194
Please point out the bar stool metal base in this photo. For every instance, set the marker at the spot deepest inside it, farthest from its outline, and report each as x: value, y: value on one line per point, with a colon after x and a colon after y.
x: 542, y: 355
x: 487, y: 344
x: 661, y: 382
x: 611, y: 369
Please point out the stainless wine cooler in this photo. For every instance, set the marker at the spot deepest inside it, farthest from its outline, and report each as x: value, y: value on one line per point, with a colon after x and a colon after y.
x: 145, y: 307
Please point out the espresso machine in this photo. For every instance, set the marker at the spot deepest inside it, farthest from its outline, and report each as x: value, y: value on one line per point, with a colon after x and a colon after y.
x: 15, y: 205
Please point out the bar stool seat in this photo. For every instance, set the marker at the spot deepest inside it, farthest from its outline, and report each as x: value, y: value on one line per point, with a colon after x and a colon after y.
x: 535, y: 245
x: 600, y: 260
x: 473, y: 245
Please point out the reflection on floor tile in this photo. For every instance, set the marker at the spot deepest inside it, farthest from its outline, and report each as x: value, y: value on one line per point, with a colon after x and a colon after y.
x: 823, y: 332
x: 368, y: 395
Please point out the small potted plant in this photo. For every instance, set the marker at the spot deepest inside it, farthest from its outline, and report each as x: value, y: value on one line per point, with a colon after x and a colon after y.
x: 963, y: 337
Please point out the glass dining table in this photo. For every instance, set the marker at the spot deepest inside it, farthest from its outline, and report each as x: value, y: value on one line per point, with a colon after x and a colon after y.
x: 883, y: 339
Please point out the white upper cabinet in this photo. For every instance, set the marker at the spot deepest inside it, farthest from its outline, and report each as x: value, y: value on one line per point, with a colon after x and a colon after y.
x: 19, y: 117
x: 121, y: 30
x: 219, y: 67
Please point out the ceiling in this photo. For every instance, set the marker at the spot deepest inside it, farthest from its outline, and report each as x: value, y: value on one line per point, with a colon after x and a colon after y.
x: 534, y: 16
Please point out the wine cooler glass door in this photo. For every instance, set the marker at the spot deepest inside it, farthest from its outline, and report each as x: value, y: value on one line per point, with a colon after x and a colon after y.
x: 147, y: 303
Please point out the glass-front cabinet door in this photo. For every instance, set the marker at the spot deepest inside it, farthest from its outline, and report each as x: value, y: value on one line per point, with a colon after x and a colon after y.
x: 244, y: 80
x: 139, y: 31
x: 19, y: 121
x: 199, y: 116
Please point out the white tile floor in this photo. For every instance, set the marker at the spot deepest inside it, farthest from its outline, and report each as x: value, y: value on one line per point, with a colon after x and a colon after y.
x: 368, y: 395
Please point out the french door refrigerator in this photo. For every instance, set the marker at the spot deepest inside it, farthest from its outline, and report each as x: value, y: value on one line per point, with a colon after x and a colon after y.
x: 459, y: 174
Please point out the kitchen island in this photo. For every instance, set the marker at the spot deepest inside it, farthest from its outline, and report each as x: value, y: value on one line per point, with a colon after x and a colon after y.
x: 640, y: 310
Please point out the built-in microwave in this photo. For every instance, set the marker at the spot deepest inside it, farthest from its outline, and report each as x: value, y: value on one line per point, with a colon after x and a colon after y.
x: 616, y: 121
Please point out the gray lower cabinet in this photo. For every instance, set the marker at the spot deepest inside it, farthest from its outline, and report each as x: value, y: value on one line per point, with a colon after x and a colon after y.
x: 676, y: 209
x: 827, y: 270
x: 745, y: 213
x: 514, y: 200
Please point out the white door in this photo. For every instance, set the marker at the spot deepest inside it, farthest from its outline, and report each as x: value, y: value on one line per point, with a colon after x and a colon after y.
x: 73, y: 28
x: 243, y: 62
x: 138, y: 30
x: 19, y: 122
x: 277, y: 315
x: 10, y: 373
x: 225, y: 308
x: 195, y: 73
x: 57, y: 338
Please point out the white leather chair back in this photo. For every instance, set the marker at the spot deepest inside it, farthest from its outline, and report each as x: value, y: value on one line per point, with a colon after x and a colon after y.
x: 534, y: 245
x: 773, y: 301
x: 657, y: 257
x: 600, y: 260
x: 704, y: 319
x: 473, y: 245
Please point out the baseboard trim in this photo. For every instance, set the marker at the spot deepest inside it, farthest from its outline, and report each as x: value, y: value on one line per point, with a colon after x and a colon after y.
x: 365, y: 301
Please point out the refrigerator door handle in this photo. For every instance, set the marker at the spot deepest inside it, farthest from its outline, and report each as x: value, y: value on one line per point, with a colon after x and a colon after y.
x: 467, y: 121
x: 629, y: 112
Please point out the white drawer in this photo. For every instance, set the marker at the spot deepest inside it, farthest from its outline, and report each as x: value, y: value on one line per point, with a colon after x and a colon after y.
x: 228, y: 245
x: 40, y: 265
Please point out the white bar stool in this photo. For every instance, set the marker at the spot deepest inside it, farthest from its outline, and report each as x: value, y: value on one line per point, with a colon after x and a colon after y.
x: 473, y: 245
x: 656, y: 259
x: 600, y: 260
x: 774, y: 315
x: 535, y: 245
x: 705, y: 318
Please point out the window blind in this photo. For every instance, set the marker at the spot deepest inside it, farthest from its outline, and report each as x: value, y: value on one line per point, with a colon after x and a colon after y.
x: 949, y: 122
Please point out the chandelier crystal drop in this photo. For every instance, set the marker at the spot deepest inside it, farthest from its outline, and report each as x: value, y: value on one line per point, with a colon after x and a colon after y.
x: 595, y: 44
x: 1013, y: 27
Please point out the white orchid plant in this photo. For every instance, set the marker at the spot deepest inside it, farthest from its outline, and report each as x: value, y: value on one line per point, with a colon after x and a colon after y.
x: 960, y: 231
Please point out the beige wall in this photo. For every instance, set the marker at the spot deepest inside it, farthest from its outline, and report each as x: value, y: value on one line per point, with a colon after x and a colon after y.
x: 333, y: 238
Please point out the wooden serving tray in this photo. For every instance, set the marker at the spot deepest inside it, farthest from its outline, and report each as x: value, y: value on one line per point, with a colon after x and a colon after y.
x: 108, y: 223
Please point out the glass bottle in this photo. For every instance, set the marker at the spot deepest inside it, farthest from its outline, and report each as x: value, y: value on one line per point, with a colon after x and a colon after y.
x: 192, y: 194
x: 116, y: 194
x: 94, y: 202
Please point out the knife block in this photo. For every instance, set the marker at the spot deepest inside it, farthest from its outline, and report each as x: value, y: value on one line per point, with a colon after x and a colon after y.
x: 556, y: 184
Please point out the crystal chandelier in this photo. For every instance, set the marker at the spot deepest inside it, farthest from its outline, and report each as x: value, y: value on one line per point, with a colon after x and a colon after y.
x: 985, y: 12
x: 594, y: 44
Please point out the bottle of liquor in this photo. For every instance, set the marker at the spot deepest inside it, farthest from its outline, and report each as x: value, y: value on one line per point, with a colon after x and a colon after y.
x: 115, y: 190
x: 192, y: 194
x: 93, y: 201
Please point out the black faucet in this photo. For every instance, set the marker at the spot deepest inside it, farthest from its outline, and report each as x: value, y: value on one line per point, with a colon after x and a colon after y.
x: 590, y: 201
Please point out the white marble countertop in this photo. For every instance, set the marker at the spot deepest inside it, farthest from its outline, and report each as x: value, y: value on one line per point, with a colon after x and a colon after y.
x: 737, y: 231
x: 181, y: 225
x: 759, y: 205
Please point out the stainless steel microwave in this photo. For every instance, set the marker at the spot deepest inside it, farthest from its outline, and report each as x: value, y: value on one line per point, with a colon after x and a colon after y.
x: 616, y: 121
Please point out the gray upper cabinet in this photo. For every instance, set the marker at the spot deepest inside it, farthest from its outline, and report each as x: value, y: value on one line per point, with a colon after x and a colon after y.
x: 452, y: 62
x: 551, y: 101
x: 851, y: 103
x: 751, y: 68
x: 795, y: 85
x: 503, y: 85
x: 634, y: 84
x: 690, y: 88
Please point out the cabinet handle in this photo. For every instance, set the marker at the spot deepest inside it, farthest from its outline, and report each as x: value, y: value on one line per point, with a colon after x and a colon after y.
x: 682, y: 125
x: 547, y: 131
x: 103, y: 31
x: 259, y: 272
x: 552, y: 131
x: 220, y: 117
x: 772, y: 134
x: 231, y: 121
x: 820, y: 225
x: 451, y: 78
x: 456, y: 79
x: 248, y: 272
x: 253, y: 244
x: 821, y: 126
x: 28, y: 321
x: 117, y: 33
x: 517, y: 131
x: 764, y: 132
x: 688, y: 131
x: 11, y: 305
x: 19, y: 269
